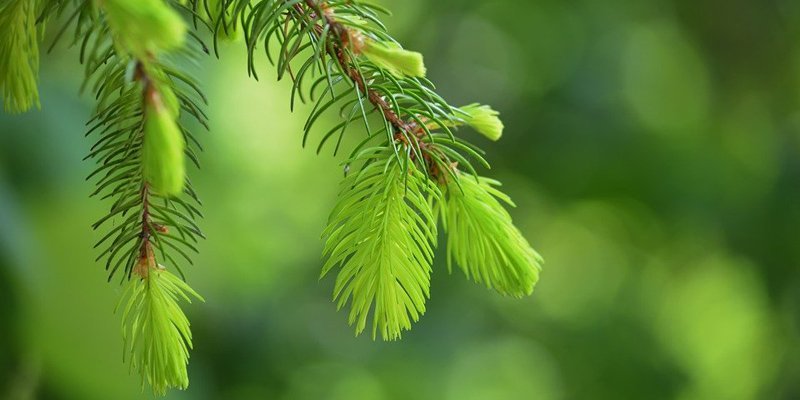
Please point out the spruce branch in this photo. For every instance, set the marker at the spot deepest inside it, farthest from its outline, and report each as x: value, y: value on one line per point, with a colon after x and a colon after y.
x: 410, y: 168
x: 390, y: 79
x: 140, y: 150
x: 340, y: 57
x: 138, y: 167
x: 154, y: 326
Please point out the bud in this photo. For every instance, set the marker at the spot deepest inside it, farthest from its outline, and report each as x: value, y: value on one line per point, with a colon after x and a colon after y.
x: 144, y: 26
x: 162, y: 151
x: 146, y: 262
x: 483, y: 119
x: 390, y: 56
x: 19, y: 55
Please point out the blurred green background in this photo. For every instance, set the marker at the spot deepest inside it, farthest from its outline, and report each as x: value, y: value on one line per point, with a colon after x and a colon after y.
x: 653, y: 148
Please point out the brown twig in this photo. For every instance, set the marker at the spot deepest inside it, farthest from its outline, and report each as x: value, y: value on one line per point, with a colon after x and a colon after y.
x: 337, y: 50
x: 146, y: 254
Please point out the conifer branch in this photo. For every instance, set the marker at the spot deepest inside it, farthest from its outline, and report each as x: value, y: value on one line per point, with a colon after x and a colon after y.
x: 354, y: 41
x: 408, y: 125
x: 354, y: 66
x: 410, y: 170
x: 140, y: 152
x: 130, y: 112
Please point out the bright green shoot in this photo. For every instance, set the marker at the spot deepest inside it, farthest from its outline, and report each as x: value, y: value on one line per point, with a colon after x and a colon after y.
x: 381, y: 235
x: 482, y: 239
x: 155, y: 329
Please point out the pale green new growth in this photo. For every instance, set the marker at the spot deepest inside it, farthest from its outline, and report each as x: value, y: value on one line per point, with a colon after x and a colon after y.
x: 156, y: 331
x: 381, y: 235
x: 483, y: 119
x: 483, y: 240
x: 19, y: 55
x: 393, y: 58
x: 144, y: 26
x: 163, y: 147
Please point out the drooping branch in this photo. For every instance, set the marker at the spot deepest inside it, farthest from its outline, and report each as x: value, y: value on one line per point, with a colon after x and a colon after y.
x: 382, y: 234
x: 140, y: 151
